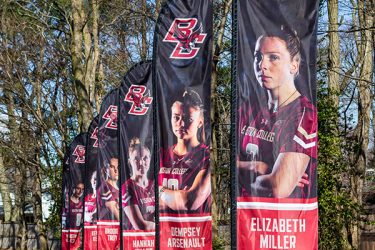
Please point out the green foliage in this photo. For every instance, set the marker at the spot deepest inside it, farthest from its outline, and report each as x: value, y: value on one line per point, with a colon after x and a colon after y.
x: 54, y: 220
x: 336, y: 209
x: 218, y: 243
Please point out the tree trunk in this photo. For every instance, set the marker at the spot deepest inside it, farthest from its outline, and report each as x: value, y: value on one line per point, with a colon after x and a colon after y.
x: 4, y: 190
x: 334, y: 51
x: 37, y: 205
x: 364, y: 109
x: 36, y: 170
x: 144, y: 30
x: 78, y: 63
x: 334, y: 84
x: 214, y: 114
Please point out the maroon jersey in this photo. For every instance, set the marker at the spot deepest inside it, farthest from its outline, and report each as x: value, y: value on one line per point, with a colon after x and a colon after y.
x: 179, y: 172
x: 90, y: 208
x: 107, y: 193
x: 144, y: 198
x: 75, y: 214
x: 265, y: 134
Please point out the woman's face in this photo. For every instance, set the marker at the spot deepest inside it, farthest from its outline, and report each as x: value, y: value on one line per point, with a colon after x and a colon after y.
x: 78, y: 190
x: 273, y: 64
x: 113, y: 169
x: 185, y: 121
x: 140, y: 161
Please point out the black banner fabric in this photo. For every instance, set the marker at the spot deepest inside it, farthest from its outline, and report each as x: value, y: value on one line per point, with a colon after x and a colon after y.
x: 72, y: 235
x: 65, y: 201
x: 90, y: 239
x: 182, y: 71
x: 276, y: 125
x: 108, y: 211
x: 136, y: 158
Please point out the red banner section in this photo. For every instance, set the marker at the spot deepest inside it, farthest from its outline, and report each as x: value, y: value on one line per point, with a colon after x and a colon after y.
x: 91, y: 236
x: 186, y: 231
x: 70, y: 239
x: 138, y: 240
x: 267, y: 223
x: 109, y: 232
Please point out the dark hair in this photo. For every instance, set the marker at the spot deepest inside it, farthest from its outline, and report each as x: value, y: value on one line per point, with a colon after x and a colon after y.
x: 135, y: 144
x: 105, y: 170
x: 290, y: 37
x: 190, y: 98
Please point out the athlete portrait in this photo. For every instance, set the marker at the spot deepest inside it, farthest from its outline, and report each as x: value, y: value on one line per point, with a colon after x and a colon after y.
x: 109, y: 191
x: 90, y: 200
x: 277, y: 132
x: 138, y: 196
x: 76, y: 206
x: 184, y: 174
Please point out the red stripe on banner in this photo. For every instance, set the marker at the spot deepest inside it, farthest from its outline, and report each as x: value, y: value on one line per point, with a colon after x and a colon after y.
x: 184, y: 215
x: 272, y: 229
x: 109, y: 233
x: 276, y: 200
x: 91, y: 237
x: 138, y: 239
x: 185, y: 235
x: 70, y: 240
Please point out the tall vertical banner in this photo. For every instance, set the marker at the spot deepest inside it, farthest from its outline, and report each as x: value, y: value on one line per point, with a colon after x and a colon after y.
x: 90, y: 239
x: 72, y: 234
x: 108, y: 192
x: 65, y: 200
x: 136, y: 159
x: 276, y: 123
x: 182, y: 71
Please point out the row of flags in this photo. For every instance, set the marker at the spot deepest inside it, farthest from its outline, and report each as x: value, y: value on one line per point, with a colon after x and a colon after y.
x: 140, y: 178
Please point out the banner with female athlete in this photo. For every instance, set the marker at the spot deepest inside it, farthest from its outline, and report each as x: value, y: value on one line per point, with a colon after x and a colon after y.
x: 182, y: 77
x: 136, y: 158
x: 107, y: 195
x: 65, y: 200
x: 90, y: 234
x: 276, y: 124
x: 71, y: 235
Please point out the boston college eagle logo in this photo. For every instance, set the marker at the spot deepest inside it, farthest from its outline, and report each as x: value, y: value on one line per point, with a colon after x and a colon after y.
x: 140, y: 101
x: 79, y: 151
x: 186, y: 33
x: 111, y: 116
x: 94, y: 136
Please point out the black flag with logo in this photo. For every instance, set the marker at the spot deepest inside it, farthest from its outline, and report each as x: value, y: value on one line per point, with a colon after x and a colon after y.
x: 90, y: 217
x: 136, y: 158
x: 65, y: 200
x: 77, y: 168
x: 276, y: 124
x: 182, y: 77
x: 108, y: 210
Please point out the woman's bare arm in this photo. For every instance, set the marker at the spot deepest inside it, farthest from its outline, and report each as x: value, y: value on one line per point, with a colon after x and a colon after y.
x: 136, y: 218
x: 286, y: 174
x: 189, y: 199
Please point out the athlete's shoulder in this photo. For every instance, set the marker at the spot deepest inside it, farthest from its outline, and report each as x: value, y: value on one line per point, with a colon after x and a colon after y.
x: 203, y: 146
x: 129, y: 184
x: 201, y: 149
x: 306, y: 104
